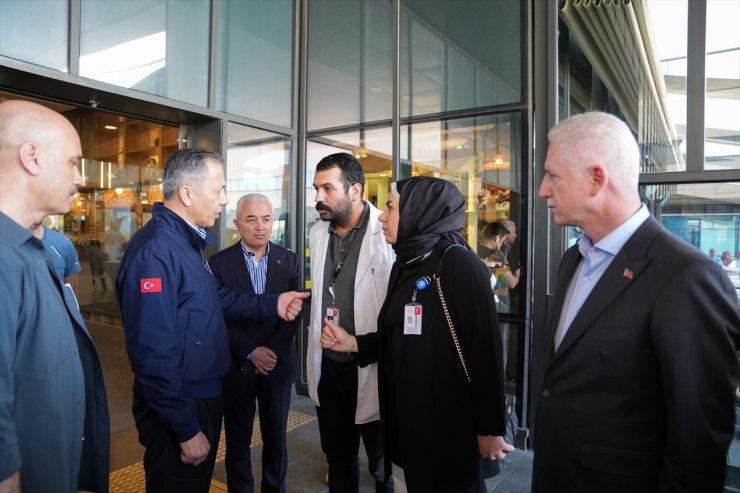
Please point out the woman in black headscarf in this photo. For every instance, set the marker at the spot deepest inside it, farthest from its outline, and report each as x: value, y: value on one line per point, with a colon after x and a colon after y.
x: 439, y: 415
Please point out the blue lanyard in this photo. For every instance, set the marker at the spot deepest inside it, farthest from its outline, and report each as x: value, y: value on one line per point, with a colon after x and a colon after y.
x: 421, y: 284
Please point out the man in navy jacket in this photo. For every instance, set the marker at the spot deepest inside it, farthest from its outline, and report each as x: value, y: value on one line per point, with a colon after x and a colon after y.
x: 264, y: 362
x: 173, y: 314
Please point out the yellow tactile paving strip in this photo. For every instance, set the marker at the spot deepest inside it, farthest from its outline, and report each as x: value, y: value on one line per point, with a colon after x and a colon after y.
x: 131, y: 479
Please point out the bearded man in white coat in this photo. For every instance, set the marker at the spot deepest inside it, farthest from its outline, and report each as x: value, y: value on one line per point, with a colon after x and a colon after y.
x: 350, y: 266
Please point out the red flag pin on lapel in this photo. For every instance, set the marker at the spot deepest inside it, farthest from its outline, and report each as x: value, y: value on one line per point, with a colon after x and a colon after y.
x: 628, y: 274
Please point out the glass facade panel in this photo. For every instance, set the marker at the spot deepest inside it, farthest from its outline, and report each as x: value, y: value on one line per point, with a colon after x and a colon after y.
x: 460, y: 54
x: 722, y: 104
x: 255, y: 49
x: 629, y: 60
x: 121, y: 170
x: 155, y: 46
x: 480, y: 155
x: 46, y: 43
x: 257, y: 162
x: 349, y: 62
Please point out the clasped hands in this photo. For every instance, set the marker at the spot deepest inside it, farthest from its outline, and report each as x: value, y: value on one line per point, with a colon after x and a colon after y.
x: 264, y: 360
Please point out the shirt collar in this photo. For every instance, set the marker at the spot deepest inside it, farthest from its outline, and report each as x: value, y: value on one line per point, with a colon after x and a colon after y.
x: 615, y: 240
x: 14, y: 234
x: 201, y: 231
x: 250, y: 253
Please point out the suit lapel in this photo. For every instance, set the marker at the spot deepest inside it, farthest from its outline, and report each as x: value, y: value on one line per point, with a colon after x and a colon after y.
x: 275, y: 265
x: 240, y: 273
x: 568, y: 267
x: 623, y: 271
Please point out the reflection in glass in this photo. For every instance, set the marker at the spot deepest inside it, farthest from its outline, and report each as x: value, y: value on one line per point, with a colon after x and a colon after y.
x: 668, y: 27
x: 447, y: 58
x: 257, y: 161
x: 706, y: 215
x: 722, y: 104
x: 349, y: 62
x: 255, y: 43
x: 480, y: 156
x: 121, y: 170
x: 155, y: 46
x: 42, y: 25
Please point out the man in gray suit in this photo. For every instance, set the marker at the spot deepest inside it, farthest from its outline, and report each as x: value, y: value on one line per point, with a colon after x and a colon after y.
x: 638, y: 364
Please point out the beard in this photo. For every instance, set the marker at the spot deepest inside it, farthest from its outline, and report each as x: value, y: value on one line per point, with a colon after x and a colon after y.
x: 339, y: 215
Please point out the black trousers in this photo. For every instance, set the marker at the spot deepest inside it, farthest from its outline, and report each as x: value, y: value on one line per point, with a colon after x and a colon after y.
x: 165, y: 472
x: 340, y: 436
x: 273, y: 396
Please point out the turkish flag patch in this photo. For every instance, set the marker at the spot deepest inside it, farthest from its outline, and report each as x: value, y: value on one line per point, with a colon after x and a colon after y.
x: 153, y: 285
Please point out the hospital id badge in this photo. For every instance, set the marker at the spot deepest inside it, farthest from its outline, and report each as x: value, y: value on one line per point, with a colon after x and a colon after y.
x: 332, y: 313
x: 412, y: 319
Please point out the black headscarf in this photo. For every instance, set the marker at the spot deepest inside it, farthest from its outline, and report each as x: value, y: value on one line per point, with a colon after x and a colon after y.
x: 430, y: 209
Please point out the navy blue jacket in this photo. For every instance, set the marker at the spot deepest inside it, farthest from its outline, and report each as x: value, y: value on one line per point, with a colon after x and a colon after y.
x: 173, y: 315
x: 283, y: 274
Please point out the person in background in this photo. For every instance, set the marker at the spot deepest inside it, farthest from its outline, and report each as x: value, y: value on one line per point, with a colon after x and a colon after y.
x: 442, y: 407
x: 503, y: 277
x: 502, y: 281
x: 508, y: 243
x: 173, y: 317
x: 61, y: 252
x: 713, y: 255
x: 640, y: 320
x: 96, y: 256
x: 264, y: 362
x: 487, y: 245
x: 727, y: 261
x: 511, y: 296
x: 350, y: 264
x: 54, y: 424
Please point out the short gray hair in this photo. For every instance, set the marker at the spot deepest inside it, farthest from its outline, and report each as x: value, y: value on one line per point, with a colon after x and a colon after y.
x: 187, y: 166
x: 598, y: 137
x: 252, y: 197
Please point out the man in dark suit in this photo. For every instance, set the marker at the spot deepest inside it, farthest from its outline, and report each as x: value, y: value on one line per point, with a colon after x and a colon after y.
x: 638, y: 366
x: 264, y: 363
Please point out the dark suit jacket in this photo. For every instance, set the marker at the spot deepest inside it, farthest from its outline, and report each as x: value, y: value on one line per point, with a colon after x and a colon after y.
x: 283, y: 274
x: 639, y: 397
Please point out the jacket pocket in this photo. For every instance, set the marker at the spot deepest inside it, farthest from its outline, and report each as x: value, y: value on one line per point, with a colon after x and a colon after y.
x: 636, y: 463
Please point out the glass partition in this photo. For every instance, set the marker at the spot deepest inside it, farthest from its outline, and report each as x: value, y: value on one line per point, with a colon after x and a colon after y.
x: 257, y: 161
x: 722, y: 103
x: 121, y: 170
x: 459, y: 55
x: 155, y: 46
x: 255, y: 50
x: 349, y: 62
x: 481, y: 156
x: 43, y: 27
x: 706, y: 215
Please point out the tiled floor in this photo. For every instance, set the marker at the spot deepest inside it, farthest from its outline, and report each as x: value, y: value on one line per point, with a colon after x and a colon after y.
x: 306, y: 463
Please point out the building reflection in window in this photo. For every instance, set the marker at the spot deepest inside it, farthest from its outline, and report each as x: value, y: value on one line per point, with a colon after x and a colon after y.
x: 121, y: 173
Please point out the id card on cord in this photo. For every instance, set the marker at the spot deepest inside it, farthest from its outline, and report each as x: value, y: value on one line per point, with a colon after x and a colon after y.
x: 412, y: 319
